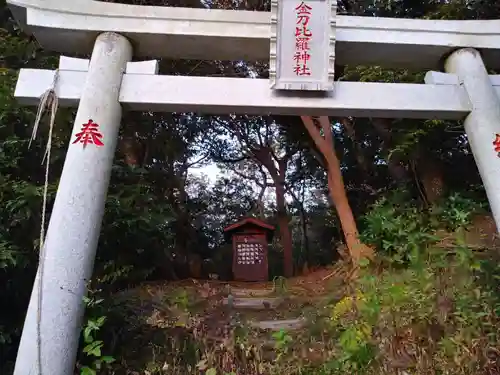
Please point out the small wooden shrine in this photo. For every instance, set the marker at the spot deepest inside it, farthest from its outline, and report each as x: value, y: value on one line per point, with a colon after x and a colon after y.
x: 250, y: 237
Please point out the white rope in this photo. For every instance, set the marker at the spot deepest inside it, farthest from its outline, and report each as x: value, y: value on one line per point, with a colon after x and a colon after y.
x: 50, y: 102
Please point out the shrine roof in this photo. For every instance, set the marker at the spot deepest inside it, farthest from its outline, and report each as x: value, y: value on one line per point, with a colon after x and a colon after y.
x: 249, y: 221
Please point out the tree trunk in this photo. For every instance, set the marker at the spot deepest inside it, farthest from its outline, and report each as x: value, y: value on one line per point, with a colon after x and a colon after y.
x: 183, y: 229
x: 394, y: 164
x: 286, y: 235
x: 132, y: 150
x: 431, y: 177
x: 357, y: 249
x: 304, y: 235
x: 264, y: 156
x: 260, y: 201
x: 358, y: 150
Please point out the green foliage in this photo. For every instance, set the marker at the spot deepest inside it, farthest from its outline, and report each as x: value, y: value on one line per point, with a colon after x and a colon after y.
x: 457, y: 211
x: 20, y: 188
x: 91, y: 352
x: 397, y: 229
x: 434, y: 317
x: 282, y: 342
x: 402, y: 232
x: 279, y: 285
x: 181, y: 300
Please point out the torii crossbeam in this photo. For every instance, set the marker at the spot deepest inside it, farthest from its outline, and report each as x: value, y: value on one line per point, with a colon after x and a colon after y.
x: 144, y: 90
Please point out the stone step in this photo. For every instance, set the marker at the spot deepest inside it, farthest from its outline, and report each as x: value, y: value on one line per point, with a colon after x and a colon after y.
x: 276, y: 325
x: 254, y: 303
x: 245, y: 292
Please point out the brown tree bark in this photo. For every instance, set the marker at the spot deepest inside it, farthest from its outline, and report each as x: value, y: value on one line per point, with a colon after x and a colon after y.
x: 283, y: 220
x: 348, y: 125
x: 430, y: 174
x: 357, y: 249
x: 394, y: 164
x: 304, y: 231
x: 260, y: 199
x: 265, y: 157
x: 133, y: 151
x: 286, y: 236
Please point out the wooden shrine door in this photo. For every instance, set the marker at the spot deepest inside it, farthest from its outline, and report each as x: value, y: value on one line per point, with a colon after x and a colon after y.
x: 250, y: 257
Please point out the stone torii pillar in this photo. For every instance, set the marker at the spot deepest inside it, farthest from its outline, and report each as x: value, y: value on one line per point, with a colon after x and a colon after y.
x: 483, y: 122
x: 75, y: 223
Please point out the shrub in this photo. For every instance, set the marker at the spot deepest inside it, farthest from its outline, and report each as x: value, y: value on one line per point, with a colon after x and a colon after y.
x: 434, y: 317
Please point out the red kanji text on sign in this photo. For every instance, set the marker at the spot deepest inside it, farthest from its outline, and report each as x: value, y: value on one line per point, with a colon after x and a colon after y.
x: 496, y: 143
x: 302, y: 44
x: 303, y: 9
x: 301, y: 57
x: 89, y: 134
x: 303, y: 36
x: 303, y: 32
x: 303, y: 17
x: 302, y: 70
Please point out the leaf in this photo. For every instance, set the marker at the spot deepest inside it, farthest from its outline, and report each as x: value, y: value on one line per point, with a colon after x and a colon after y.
x: 101, y: 321
x: 87, y: 335
x: 107, y: 359
x: 476, y: 266
x: 94, y: 348
x: 211, y: 371
x: 85, y: 370
x: 364, y: 262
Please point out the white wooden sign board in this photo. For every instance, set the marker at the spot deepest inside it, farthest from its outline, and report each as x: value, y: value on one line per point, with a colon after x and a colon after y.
x: 302, y: 55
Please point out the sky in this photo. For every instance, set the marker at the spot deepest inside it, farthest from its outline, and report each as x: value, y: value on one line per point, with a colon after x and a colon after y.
x: 211, y: 171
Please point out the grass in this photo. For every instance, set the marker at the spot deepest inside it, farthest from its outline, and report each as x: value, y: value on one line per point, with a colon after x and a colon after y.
x: 434, y: 317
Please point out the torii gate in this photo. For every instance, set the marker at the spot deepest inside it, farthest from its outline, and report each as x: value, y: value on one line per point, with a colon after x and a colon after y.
x: 114, y: 33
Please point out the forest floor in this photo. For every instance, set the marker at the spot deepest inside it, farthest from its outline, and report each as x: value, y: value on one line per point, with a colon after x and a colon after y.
x: 159, y: 314
x: 165, y: 300
x: 173, y: 325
